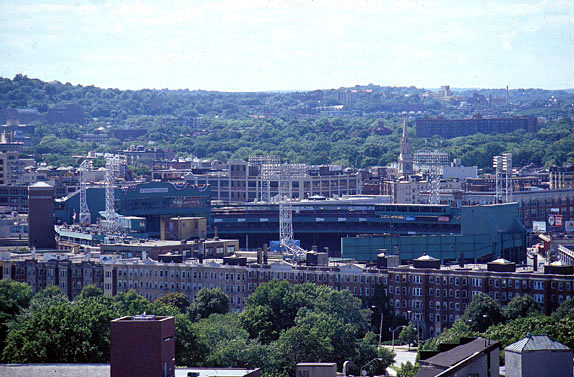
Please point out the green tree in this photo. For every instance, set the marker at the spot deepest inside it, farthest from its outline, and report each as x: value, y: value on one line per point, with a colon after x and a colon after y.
x: 188, y: 347
x: 521, y: 307
x: 130, y: 303
x: 50, y: 295
x: 272, y: 308
x: 207, y: 302
x: 90, y: 291
x: 177, y: 300
x: 61, y: 333
x: 408, y: 370
x: 366, y: 351
x: 14, y: 298
x: 408, y: 335
x: 459, y: 329
x: 482, y: 312
x: 565, y: 310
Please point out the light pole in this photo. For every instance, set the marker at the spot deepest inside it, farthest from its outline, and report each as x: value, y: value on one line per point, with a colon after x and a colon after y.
x: 393, y: 331
x: 380, y: 327
x: 363, y: 370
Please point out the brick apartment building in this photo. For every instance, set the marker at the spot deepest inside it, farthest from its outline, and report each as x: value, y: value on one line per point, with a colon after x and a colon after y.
x: 450, y: 128
x: 430, y: 295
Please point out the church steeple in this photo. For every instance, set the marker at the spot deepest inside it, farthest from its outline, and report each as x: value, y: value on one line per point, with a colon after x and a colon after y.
x: 406, y: 154
x: 405, y: 135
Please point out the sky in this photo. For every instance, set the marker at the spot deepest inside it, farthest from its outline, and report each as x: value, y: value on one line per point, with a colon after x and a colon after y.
x: 260, y: 45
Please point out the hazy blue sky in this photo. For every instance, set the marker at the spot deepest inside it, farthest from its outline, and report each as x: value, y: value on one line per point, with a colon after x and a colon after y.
x: 284, y: 45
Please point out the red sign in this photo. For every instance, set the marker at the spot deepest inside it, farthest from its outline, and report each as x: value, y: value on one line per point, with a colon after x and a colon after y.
x: 443, y: 219
x: 558, y: 220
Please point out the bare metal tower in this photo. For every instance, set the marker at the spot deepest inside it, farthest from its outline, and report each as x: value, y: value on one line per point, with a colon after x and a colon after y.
x: 111, y: 223
x: 268, y: 171
x: 434, y: 162
x: 497, y: 164
x: 85, y: 216
x: 504, y: 187
x: 287, y: 173
x: 507, y: 166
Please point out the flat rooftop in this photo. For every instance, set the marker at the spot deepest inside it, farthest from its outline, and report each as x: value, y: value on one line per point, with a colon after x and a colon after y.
x: 102, y: 370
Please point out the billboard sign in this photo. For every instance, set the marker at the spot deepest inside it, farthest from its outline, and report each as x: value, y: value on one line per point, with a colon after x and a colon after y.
x: 551, y: 220
x: 443, y: 219
x: 569, y: 226
x: 539, y: 227
x: 558, y: 220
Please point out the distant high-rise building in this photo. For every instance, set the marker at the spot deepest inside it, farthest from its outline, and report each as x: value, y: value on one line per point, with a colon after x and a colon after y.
x: 449, y: 128
x: 41, y: 233
x: 70, y: 113
x: 406, y: 154
x: 143, y: 346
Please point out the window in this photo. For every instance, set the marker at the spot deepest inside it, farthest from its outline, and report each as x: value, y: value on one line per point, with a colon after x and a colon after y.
x: 538, y: 285
x: 539, y: 298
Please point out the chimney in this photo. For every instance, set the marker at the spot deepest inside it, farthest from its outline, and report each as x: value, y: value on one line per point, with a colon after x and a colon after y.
x: 461, y: 260
x: 259, y: 255
x: 535, y: 262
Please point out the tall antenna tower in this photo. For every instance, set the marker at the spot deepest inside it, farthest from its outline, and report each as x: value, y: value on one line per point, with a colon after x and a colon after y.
x: 268, y: 170
x: 85, y: 217
x: 287, y: 173
x: 111, y: 224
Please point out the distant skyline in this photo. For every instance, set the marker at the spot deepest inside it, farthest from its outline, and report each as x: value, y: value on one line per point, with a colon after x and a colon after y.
x: 260, y: 45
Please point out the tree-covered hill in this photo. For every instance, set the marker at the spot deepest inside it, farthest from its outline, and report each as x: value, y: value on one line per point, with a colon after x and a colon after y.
x: 309, y: 127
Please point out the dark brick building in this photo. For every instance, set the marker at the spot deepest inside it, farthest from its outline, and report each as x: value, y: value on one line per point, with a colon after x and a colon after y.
x: 41, y: 233
x: 450, y: 128
x: 143, y: 346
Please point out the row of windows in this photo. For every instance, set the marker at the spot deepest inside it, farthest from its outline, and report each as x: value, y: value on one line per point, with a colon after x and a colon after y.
x: 176, y: 274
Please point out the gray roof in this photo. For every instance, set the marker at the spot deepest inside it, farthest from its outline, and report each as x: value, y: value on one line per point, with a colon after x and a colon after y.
x: 100, y: 370
x: 537, y: 343
x: 457, y: 354
x: 54, y: 370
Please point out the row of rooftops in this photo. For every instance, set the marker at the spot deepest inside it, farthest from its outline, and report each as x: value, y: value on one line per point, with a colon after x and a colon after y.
x: 275, y: 262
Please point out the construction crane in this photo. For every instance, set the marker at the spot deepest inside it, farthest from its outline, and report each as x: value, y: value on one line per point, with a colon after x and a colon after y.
x: 85, y: 168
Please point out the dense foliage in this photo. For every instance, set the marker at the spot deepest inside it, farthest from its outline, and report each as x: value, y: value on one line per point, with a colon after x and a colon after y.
x: 291, y: 324
x: 291, y: 125
x: 522, y: 317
